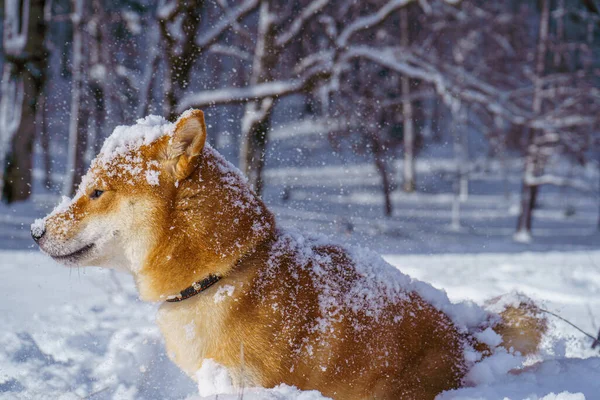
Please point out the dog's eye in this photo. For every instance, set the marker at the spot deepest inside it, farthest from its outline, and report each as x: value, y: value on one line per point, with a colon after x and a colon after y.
x: 96, y: 193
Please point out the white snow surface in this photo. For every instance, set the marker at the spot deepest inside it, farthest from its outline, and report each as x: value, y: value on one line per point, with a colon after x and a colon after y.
x: 76, y: 333
x: 565, y: 379
x: 214, y: 382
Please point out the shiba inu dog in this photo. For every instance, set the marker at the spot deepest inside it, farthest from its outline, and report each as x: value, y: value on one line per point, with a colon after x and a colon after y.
x: 273, y: 306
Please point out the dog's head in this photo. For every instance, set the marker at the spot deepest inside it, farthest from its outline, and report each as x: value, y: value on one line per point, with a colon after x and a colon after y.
x: 155, y: 185
x: 129, y: 186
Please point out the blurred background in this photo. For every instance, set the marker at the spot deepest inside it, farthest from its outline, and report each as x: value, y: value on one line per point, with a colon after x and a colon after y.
x: 446, y: 117
x: 414, y: 127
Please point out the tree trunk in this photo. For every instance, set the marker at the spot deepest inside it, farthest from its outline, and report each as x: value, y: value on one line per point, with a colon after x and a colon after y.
x: 96, y: 81
x: 501, y: 153
x: 532, y: 162
x: 528, y: 191
x: 44, y: 136
x: 456, y: 200
x: 179, y: 54
x: 19, y: 162
x: 95, y: 141
x: 408, y: 170
x: 598, y: 171
x: 381, y: 166
x: 256, y: 121
x: 463, y: 160
x: 105, y: 84
x: 147, y: 91
x: 22, y: 84
x: 10, y: 116
x: 528, y: 199
x: 79, y: 115
x: 169, y: 45
x: 169, y: 98
x: 455, y: 218
x: 461, y: 181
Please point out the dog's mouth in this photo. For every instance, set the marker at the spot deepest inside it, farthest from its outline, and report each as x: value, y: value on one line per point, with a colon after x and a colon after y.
x: 74, y: 255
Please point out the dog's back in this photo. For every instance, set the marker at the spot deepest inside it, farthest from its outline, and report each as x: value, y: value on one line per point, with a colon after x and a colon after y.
x: 312, y: 317
x: 344, y: 322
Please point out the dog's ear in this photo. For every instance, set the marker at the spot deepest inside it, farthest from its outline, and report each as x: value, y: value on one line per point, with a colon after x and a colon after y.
x: 187, y: 144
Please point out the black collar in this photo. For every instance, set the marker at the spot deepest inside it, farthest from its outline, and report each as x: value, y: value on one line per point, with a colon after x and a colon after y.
x: 196, y: 288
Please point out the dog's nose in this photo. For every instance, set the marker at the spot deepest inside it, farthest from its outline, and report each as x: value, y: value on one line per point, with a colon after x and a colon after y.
x: 37, y: 234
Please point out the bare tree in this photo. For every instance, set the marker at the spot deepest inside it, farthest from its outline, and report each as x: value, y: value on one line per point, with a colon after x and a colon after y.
x: 532, y: 162
x: 374, y: 126
x: 275, y: 74
x: 23, y: 80
x: 256, y: 121
x: 564, y: 109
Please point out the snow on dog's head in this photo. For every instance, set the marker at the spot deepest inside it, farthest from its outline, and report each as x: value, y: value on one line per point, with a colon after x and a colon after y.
x: 109, y: 220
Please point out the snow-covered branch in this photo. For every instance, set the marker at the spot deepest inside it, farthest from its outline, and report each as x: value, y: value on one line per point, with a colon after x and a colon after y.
x: 168, y: 10
x: 240, y: 95
x: 309, y: 12
x: 369, y: 21
x: 564, y: 122
x: 232, y: 17
x: 450, y: 91
x: 231, y: 51
x: 311, y: 126
x: 554, y: 180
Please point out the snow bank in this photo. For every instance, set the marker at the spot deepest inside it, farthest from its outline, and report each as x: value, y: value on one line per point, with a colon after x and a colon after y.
x: 79, y: 333
x: 562, y: 379
x: 214, y: 382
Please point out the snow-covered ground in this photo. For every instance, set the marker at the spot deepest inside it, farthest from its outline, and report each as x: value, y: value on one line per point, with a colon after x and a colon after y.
x: 75, y: 334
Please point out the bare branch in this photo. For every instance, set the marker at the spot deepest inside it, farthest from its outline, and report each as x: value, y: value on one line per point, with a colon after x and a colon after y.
x: 369, y: 21
x: 556, y: 181
x: 168, y: 11
x: 232, y: 17
x: 232, y: 51
x: 306, y: 14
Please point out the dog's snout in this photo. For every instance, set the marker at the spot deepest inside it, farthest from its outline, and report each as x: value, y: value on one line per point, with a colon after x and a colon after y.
x: 37, y: 234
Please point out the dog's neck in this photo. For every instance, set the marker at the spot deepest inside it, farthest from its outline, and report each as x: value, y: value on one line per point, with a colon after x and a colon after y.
x: 215, y: 220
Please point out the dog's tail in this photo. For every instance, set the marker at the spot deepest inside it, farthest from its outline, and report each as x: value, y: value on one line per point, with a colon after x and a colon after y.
x: 522, y: 323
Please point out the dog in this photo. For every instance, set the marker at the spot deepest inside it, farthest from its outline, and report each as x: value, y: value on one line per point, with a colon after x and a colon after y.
x: 271, y: 305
